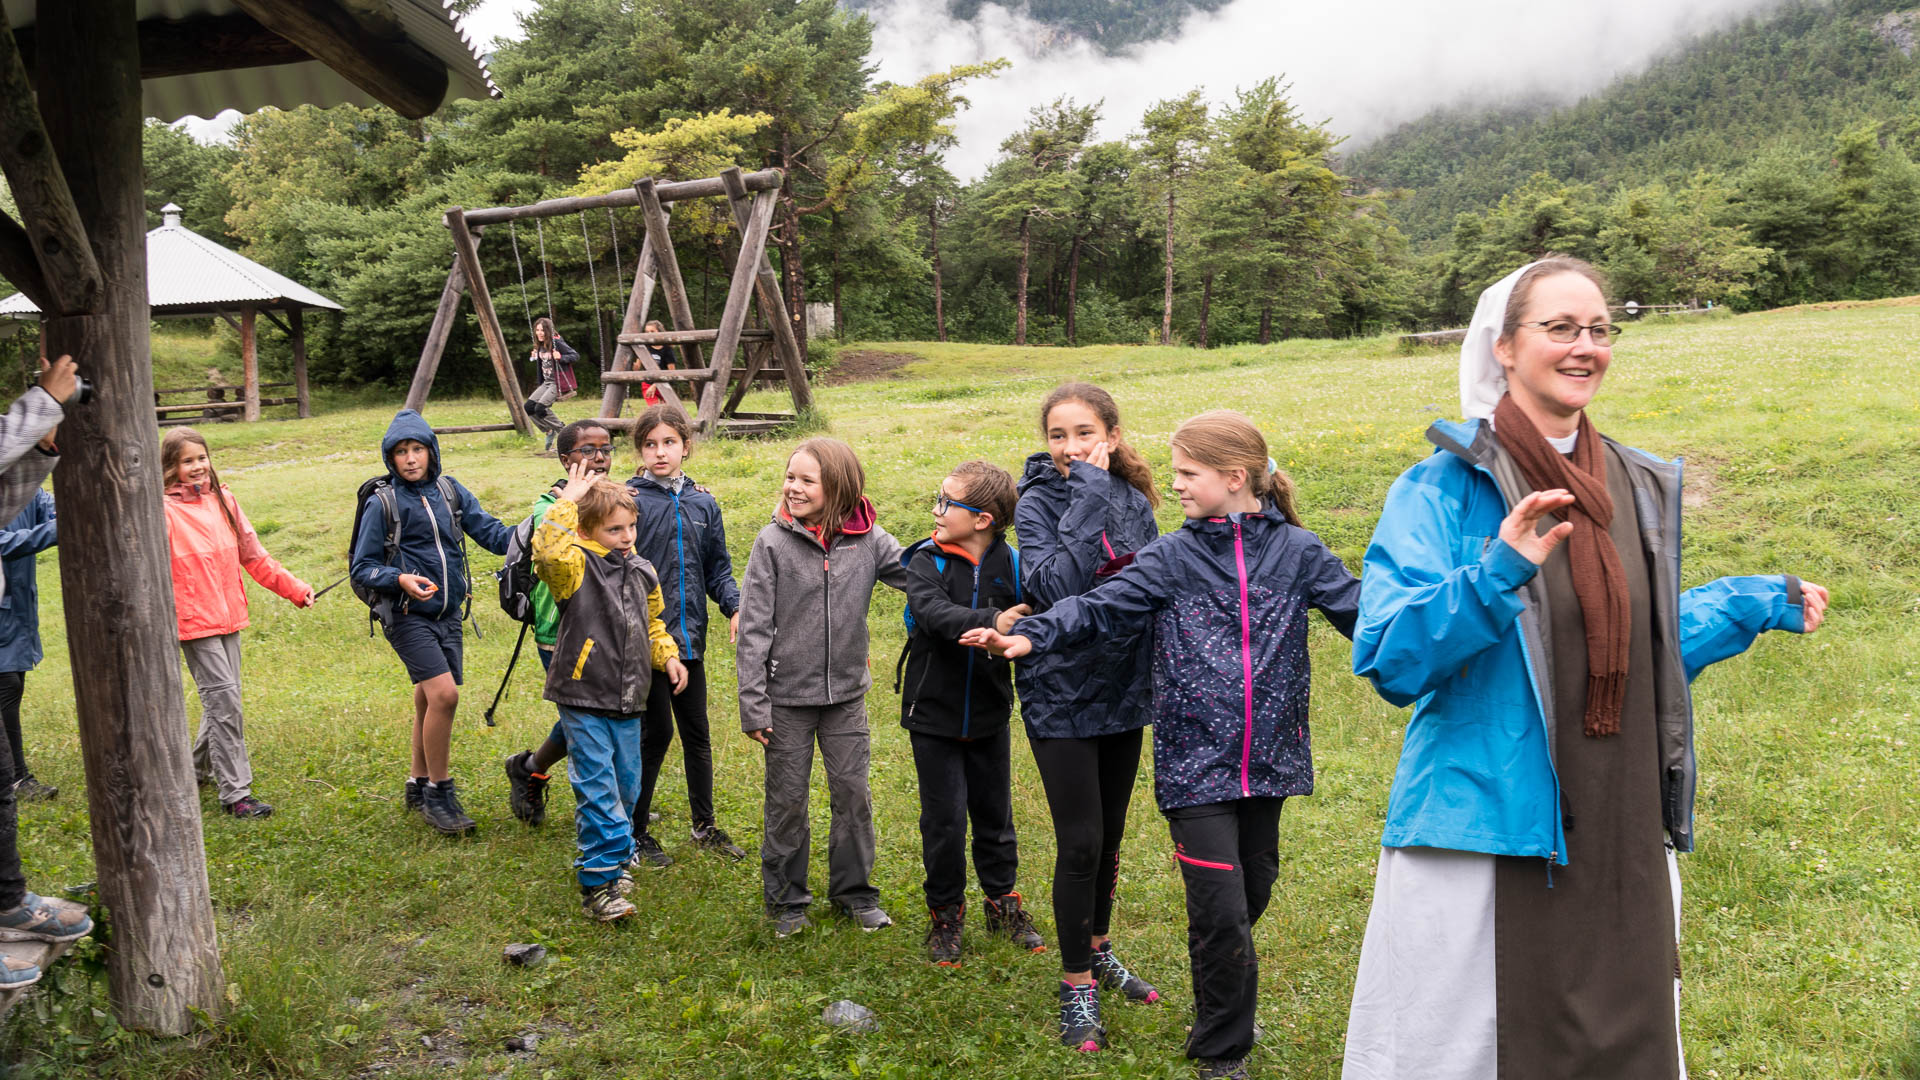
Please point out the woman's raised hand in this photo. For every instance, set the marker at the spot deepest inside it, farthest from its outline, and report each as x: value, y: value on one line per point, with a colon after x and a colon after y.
x: 1011, y: 646
x: 1100, y: 456
x: 1813, y: 605
x: 1521, y: 530
x: 580, y: 480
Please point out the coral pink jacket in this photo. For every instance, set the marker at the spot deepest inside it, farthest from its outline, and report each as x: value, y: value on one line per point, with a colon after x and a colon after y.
x: 209, y: 595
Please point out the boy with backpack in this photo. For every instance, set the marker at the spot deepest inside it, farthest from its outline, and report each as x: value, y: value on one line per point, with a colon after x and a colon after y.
x: 611, y: 642
x: 410, y: 567
x: 528, y: 599
x: 956, y: 702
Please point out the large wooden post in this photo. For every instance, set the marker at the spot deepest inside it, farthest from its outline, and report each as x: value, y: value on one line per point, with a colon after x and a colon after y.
x: 249, y: 366
x: 773, y: 306
x: 469, y: 255
x: 436, y: 345
x: 298, y: 326
x: 163, y: 959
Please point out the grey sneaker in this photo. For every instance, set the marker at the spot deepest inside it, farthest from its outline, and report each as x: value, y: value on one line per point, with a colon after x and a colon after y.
x: 790, y: 921
x: 16, y: 973
x: 623, y: 885
x: 40, y: 919
x: 868, y: 919
x: 715, y: 839
x: 648, y: 852
x: 603, y: 904
x: 32, y: 790
x: 1220, y: 1069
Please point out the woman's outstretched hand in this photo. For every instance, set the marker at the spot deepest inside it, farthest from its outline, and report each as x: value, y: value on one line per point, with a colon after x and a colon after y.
x: 1011, y: 646
x: 1813, y: 605
x: 1521, y: 530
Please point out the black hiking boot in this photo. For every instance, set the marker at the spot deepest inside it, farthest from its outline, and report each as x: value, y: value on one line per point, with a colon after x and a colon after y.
x: 526, y: 789
x: 415, y: 800
x: 443, y: 811
x: 715, y: 839
x: 1113, y: 975
x: 1008, y: 915
x: 943, y: 935
x: 27, y: 789
x: 648, y: 852
x: 1080, y: 1027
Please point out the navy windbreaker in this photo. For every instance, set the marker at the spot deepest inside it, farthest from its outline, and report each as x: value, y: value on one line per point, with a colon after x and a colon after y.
x: 1227, y: 599
x: 428, y: 546
x: 33, y: 531
x: 682, y: 535
x: 1070, y: 528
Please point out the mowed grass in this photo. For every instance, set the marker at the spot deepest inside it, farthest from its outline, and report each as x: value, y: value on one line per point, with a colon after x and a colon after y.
x: 357, y: 944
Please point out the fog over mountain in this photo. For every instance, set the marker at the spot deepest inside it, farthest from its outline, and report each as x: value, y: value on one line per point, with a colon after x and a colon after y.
x: 1362, y: 65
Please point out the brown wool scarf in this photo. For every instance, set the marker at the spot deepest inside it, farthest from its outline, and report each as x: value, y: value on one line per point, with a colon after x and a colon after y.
x: 1599, y: 580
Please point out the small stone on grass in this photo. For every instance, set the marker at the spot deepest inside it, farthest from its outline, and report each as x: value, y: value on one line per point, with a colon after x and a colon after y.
x: 525, y: 955
x: 849, y: 1016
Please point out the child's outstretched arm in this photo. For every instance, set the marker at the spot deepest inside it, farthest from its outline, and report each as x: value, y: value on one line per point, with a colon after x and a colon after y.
x: 757, y: 591
x: 261, y: 566
x: 934, y: 609
x: 886, y: 556
x: 1120, y: 608
x: 1331, y: 587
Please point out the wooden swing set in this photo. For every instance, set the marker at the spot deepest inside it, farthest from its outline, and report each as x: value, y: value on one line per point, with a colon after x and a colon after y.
x: 771, y: 347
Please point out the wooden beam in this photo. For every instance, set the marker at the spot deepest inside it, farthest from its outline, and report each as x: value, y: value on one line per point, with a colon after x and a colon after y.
x: 71, y: 276
x: 275, y: 320
x: 613, y: 395
x: 229, y: 320
x: 465, y: 429
x: 467, y: 249
x: 689, y: 337
x: 733, y: 319
x: 249, y: 365
x: 163, y: 960
x: 657, y: 377
x: 668, y: 194
x: 17, y: 263
x: 299, y: 331
x: 668, y: 265
x: 436, y: 344
x: 773, y: 305
x: 196, y: 46
x: 399, y: 74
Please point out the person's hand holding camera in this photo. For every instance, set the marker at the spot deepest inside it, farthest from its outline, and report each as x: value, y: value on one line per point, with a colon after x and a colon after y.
x: 60, y: 378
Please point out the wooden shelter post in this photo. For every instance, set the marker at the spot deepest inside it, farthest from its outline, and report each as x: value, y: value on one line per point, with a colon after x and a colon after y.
x: 297, y: 325
x: 249, y: 366
x: 163, y: 958
x: 469, y: 253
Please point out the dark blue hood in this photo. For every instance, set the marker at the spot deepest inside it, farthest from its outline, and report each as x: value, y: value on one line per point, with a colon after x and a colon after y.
x: 408, y: 424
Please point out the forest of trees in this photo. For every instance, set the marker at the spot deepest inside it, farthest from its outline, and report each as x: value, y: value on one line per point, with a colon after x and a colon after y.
x: 1770, y: 164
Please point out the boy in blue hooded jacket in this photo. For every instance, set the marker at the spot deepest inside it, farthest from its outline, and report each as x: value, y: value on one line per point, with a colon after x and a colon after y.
x: 423, y: 594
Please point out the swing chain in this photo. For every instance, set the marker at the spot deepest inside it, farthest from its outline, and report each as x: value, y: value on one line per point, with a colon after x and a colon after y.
x: 546, y: 276
x: 521, y: 271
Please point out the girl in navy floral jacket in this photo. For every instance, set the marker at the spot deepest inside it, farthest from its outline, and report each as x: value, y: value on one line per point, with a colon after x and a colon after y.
x: 1227, y: 598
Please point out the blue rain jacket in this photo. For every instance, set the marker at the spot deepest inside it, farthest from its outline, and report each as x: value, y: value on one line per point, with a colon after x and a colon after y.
x: 1071, y: 528
x: 1451, y: 623
x: 1227, y: 599
x: 32, y: 531
x: 682, y: 535
x: 428, y: 545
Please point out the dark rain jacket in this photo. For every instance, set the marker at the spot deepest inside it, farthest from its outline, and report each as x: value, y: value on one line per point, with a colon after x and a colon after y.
x: 947, y: 688
x: 1227, y: 599
x: 428, y: 544
x: 682, y: 535
x: 1071, y: 528
x: 35, y: 530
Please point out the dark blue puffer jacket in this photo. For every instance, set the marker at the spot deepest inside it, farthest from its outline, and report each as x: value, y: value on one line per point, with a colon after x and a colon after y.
x: 682, y: 535
x: 428, y: 546
x: 1070, y: 527
x: 1227, y: 599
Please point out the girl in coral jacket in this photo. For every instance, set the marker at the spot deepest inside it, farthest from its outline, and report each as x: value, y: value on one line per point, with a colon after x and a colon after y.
x: 210, y: 542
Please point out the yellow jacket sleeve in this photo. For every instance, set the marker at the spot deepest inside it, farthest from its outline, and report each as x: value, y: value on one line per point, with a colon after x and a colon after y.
x: 664, y: 647
x: 557, y: 559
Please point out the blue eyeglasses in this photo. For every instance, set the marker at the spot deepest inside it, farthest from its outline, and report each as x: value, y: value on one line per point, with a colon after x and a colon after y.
x: 942, y: 502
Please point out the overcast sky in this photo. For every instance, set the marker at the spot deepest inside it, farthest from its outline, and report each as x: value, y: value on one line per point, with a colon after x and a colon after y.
x: 1361, y: 65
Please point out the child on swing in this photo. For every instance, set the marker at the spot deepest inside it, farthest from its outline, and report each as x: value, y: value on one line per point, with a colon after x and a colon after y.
x: 553, y: 359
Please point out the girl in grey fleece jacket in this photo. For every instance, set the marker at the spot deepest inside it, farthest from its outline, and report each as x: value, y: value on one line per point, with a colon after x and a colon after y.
x: 802, y: 660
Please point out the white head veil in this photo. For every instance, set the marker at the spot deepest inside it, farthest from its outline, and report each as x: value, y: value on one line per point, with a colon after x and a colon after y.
x: 1482, y: 380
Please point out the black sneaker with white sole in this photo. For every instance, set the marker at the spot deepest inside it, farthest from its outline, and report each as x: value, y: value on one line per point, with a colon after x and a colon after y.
x: 868, y: 918
x: 648, y: 852
x: 713, y: 838
x: 441, y: 807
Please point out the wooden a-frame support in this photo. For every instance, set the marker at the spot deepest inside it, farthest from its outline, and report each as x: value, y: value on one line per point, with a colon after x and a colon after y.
x: 722, y: 386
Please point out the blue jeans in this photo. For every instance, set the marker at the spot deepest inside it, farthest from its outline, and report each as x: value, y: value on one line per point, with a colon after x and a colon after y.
x: 603, y: 764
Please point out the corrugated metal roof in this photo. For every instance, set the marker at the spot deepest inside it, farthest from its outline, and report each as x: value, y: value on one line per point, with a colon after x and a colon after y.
x: 187, y: 270
x: 428, y: 23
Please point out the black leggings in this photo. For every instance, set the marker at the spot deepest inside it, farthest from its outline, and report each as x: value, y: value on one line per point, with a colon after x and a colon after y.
x: 1089, y: 783
x: 689, y: 709
x: 13, y: 882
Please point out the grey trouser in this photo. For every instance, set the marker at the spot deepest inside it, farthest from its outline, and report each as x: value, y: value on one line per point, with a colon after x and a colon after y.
x: 846, y: 747
x: 220, y: 750
x: 544, y: 396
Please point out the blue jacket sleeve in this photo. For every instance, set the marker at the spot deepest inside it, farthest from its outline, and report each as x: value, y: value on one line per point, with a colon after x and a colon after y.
x: 1058, y: 559
x: 716, y: 567
x: 1331, y: 587
x: 370, y: 568
x: 1121, y: 607
x: 487, y: 531
x: 1721, y: 618
x: 1421, y: 616
x: 41, y: 533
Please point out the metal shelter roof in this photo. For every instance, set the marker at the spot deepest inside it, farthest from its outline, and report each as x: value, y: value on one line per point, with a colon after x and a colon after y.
x: 188, y: 274
x: 426, y: 23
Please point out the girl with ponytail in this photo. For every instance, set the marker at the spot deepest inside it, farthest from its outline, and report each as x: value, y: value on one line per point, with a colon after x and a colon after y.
x: 1224, y: 602
x: 211, y: 542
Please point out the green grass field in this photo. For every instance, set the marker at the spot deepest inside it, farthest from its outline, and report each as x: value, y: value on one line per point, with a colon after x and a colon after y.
x: 357, y: 944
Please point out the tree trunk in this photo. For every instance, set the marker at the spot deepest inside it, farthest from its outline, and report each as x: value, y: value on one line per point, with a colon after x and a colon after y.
x: 1266, y: 323
x: 933, y: 233
x: 1206, y: 306
x: 1073, y: 288
x: 839, y: 313
x: 1166, y: 305
x: 163, y: 958
x: 1020, y: 281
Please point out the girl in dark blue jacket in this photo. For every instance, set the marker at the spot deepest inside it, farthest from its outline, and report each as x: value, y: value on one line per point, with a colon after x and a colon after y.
x: 1226, y: 598
x: 1086, y: 506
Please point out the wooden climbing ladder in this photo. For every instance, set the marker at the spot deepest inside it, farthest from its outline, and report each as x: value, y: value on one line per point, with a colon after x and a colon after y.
x: 769, y: 345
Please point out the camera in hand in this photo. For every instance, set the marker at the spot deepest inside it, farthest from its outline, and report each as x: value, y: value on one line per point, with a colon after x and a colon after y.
x: 82, y: 391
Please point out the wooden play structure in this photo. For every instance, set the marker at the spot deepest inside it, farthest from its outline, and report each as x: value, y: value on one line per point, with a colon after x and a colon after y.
x: 755, y: 319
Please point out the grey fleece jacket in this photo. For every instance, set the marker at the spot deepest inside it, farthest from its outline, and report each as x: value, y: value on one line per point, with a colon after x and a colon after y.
x: 803, y: 613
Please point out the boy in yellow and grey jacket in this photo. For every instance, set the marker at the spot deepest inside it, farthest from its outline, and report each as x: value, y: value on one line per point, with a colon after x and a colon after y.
x: 610, y: 643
